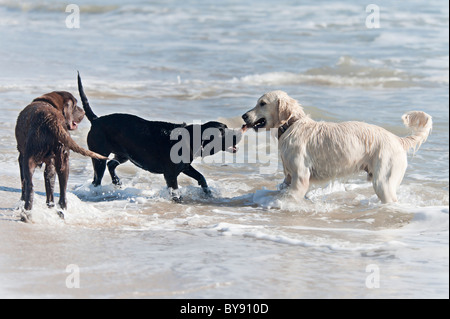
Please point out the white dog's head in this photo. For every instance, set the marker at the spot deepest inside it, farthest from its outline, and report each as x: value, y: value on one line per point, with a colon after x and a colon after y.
x: 272, y: 111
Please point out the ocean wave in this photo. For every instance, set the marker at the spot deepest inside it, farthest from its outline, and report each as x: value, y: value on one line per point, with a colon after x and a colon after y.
x: 347, y: 72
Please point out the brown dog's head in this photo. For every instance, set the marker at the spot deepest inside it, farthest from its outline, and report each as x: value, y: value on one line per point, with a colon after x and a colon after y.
x: 66, y: 103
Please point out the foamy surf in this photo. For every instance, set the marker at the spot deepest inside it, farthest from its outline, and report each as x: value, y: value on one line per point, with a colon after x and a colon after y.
x: 306, y: 240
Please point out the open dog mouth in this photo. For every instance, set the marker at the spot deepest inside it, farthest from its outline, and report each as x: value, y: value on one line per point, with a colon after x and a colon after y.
x: 73, y: 126
x: 232, y: 149
x: 257, y: 125
x: 236, y: 135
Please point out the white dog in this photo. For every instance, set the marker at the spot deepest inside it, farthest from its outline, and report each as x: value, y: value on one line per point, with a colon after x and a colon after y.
x: 320, y: 151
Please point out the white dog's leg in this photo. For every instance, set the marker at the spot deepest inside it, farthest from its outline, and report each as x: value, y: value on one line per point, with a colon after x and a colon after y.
x: 389, y: 177
x: 381, y: 189
x: 299, y: 185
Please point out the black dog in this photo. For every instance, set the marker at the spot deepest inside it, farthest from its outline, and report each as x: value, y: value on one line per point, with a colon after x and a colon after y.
x: 155, y: 146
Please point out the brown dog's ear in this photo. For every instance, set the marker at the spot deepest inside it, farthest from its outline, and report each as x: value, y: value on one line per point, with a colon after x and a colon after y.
x: 53, y: 98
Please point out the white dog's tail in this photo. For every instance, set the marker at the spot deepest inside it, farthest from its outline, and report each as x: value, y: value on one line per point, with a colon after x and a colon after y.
x: 421, y: 124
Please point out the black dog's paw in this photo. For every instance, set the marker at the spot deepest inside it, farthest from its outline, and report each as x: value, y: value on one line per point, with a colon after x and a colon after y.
x: 176, y: 195
x: 177, y: 199
x: 118, y: 185
x: 117, y: 182
x: 283, y: 186
x: 207, y: 192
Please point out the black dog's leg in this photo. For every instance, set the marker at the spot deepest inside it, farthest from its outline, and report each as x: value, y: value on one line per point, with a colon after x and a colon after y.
x: 49, y: 177
x: 172, y: 184
x: 192, y: 172
x: 97, y: 143
x: 99, y: 171
x: 112, y: 168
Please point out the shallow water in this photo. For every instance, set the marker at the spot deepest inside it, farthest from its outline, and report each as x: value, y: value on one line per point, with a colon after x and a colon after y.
x: 191, y: 61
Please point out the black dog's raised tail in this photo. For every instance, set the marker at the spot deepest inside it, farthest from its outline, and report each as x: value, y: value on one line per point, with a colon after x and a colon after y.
x: 87, y: 109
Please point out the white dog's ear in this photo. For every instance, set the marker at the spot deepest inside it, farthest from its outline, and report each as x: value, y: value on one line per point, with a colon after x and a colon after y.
x: 285, y: 108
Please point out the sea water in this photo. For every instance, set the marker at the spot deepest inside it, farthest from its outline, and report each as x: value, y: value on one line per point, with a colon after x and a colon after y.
x: 186, y: 61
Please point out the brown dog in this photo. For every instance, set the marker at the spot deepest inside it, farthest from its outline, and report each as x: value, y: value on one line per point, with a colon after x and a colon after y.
x: 42, y: 137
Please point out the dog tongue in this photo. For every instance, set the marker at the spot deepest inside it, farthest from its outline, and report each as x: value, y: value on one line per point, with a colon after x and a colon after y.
x: 244, y: 128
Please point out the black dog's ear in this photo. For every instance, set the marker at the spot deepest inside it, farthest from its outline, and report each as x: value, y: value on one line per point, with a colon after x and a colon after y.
x: 214, y: 124
x: 206, y: 140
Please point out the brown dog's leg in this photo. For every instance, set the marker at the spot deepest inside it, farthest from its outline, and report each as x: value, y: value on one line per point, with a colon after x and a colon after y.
x: 22, y: 180
x: 49, y: 176
x: 28, y: 167
x: 62, y: 169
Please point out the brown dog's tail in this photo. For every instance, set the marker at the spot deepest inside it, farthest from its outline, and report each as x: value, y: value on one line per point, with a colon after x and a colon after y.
x: 66, y: 139
x: 421, y: 123
x: 87, y: 108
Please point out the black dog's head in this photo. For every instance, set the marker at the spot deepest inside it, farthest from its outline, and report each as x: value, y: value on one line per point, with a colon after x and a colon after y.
x: 200, y: 140
x: 218, y: 137
x: 209, y: 138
